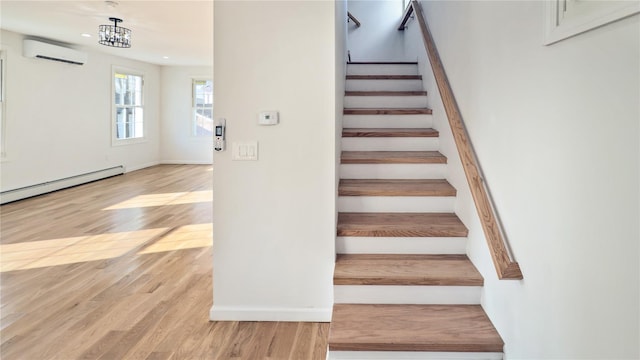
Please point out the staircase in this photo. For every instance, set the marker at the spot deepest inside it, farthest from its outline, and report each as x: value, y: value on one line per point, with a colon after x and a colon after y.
x: 403, y: 285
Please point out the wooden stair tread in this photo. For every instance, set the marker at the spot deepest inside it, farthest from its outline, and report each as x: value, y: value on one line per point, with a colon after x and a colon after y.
x: 400, y: 225
x: 392, y: 269
x: 387, y: 111
x: 385, y: 93
x: 389, y: 132
x: 446, y: 328
x: 384, y: 77
x: 382, y: 63
x: 395, y: 187
x: 392, y: 157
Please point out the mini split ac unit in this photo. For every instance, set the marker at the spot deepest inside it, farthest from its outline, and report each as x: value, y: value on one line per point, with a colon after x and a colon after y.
x: 38, y: 49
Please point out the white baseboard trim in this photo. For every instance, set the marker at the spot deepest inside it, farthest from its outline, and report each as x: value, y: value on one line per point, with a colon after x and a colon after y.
x: 59, y: 184
x: 185, y: 162
x: 417, y: 355
x: 232, y: 313
x: 140, y: 166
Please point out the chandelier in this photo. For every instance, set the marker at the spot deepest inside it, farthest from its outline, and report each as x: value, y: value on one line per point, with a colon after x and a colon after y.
x: 113, y: 35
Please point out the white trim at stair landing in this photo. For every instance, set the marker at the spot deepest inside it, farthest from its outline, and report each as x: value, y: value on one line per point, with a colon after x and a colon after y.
x: 411, y: 355
x: 407, y: 294
x: 408, y: 245
x: 232, y: 313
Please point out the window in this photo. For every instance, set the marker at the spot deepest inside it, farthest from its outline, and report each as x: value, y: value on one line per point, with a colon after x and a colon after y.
x: 128, y: 106
x: 566, y: 18
x: 202, y: 123
x: 2, y: 102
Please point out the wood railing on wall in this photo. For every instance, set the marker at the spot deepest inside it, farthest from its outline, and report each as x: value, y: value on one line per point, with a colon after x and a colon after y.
x: 505, y: 266
x: 353, y: 18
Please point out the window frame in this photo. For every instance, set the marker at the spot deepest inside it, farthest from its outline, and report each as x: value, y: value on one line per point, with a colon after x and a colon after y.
x: 3, y: 102
x: 194, y: 108
x: 564, y: 19
x: 115, y: 141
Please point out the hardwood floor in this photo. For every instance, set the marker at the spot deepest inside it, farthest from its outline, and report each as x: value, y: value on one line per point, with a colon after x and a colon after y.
x: 121, y: 269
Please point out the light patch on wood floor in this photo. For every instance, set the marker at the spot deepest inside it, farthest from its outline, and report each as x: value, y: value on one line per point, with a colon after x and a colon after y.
x: 36, y: 254
x: 79, y: 281
x: 164, y: 200
x: 184, y: 237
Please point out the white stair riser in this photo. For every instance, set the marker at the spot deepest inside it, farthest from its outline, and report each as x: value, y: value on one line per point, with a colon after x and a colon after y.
x: 384, y: 85
x: 406, y: 294
x: 411, y: 355
x: 385, y: 101
x: 393, y: 171
x: 382, y: 69
x: 396, y: 203
x: 390, y: 144
x: 387, y: 121
x: 400, y: 245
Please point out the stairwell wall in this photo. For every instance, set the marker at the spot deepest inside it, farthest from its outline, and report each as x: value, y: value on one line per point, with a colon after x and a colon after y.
x: 376, y: 38
x: 274, y: 219
x: 556, y: 131
x: 341, y: 45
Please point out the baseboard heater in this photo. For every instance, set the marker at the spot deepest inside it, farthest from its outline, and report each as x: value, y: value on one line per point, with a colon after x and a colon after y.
x: 49, y: 186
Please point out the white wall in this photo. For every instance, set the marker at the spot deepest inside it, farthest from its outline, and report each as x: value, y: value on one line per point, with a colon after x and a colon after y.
x: 556, y: 130
x: 178, y: 145
x: 58, y: 117
x: 340, y: 82
x: 376, y: 38
x: 274, y: 219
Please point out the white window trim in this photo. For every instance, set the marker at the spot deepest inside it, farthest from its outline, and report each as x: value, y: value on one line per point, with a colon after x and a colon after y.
x: 3, y: 95
x: 191, y: 134
x: 567, y: 18
x: 112, y: 121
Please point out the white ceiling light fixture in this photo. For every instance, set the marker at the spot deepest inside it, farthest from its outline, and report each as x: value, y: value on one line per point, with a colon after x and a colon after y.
x: 114, y: 35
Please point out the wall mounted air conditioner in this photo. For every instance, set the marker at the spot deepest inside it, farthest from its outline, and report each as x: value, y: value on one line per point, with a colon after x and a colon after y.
x: 42, y: 50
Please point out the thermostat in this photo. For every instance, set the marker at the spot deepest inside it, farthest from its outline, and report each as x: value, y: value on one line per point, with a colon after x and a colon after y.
x: 268, y: 118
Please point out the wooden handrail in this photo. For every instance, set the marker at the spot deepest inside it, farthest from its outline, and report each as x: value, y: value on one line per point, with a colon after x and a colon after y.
x: 405, y: 18
x: 505, y: 266
x: 355, y: 21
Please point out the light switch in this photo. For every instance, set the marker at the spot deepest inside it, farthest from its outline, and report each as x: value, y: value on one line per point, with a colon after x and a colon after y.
x: 244, y: 151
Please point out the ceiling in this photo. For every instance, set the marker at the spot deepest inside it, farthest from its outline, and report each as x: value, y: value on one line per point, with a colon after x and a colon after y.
x: 163, y: 32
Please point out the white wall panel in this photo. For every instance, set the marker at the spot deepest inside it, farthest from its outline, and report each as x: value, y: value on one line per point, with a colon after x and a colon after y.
x: 557, y: 134
x: 274, y: 219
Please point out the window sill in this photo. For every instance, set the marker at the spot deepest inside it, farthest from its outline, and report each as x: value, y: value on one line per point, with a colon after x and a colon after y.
x: 125, y: 142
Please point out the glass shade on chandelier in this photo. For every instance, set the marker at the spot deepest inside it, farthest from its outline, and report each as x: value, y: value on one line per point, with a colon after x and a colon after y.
x: 114, y: 35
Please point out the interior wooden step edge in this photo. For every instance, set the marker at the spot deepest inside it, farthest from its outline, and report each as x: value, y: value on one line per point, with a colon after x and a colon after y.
x: 406, y: 270
x: 428, y: 328
x: 385, y: 93
x: 395, y: 187
x: 384, y: 77
x: 382, y: 63
x: 392, y: 157
x: 389, y: 132
x: 395, y: 224
x: 387, y: 111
